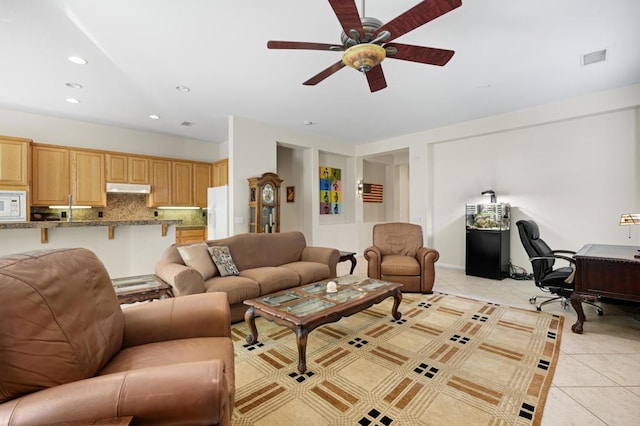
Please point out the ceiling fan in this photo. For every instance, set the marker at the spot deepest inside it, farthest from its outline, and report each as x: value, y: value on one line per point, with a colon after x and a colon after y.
x: 365, y: 41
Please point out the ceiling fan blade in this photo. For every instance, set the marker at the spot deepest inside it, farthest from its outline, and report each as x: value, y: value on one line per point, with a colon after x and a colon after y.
x: 376, y: 79
x: 421, y: 54
x: 324, y: 74
x: 272, y: 44
x: 418, y: 15
x: 347, y: 13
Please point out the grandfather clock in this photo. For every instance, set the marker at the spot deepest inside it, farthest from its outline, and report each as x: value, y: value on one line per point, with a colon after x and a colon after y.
x: 264, y: 203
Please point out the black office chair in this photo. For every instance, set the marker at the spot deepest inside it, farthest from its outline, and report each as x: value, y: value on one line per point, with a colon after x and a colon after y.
x: 543, y: 259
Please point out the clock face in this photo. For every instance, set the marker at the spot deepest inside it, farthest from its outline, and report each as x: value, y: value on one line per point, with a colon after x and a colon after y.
x: 267, y: 194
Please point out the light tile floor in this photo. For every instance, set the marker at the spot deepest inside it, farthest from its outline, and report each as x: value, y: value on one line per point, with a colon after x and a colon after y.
x: 597, y: 380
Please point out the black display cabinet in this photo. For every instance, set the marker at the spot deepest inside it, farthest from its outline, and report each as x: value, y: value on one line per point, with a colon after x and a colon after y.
x: 488, y: 240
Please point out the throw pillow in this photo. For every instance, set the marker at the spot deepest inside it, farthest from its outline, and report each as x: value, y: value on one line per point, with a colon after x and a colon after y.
x: 222, y: 258
x: 197, y: 257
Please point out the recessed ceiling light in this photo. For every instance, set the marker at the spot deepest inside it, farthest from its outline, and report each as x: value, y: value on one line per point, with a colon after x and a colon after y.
x: 78, y: 60
x: 183, y: 89
x: 73, y: 100
x: 74, y: 85
x: 483, y: 85
x: 307, y: 122
x: 154, y: 116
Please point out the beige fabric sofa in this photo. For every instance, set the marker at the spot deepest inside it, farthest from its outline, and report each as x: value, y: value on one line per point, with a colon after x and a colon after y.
x: 266, y: 262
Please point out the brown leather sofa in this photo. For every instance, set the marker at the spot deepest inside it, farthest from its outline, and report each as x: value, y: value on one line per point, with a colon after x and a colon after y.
x: 266, y: 263
x: 69, y: 353
x: 397, y: 255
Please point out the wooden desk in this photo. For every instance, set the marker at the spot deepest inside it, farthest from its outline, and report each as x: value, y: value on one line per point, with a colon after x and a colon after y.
x: 605, y: 270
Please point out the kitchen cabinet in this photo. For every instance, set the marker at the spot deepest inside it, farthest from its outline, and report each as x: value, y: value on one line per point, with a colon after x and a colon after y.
x: 14, y: 162
x: 201, y: 183
x: 182, y: 180
x: 117, y: 168
x: 51, y: 181
x: 190, y: 235
x: 88, y: 184
x: 58, y: 172
x: 160, y: 179
x: 138, y: 170
x: 220, y: 173
x: 122, y: 168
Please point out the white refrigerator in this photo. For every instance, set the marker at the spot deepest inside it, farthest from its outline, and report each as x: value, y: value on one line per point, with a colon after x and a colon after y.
x: 218, y: 212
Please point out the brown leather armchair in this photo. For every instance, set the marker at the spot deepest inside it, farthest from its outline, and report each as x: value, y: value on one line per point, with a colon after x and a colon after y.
x: 397, y: 255
x: 69, y: 353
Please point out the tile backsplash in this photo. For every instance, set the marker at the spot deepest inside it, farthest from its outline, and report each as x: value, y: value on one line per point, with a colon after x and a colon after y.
x: 130, y: 207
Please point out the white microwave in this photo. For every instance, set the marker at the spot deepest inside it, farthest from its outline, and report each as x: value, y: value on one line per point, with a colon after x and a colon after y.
x: 13, y: 206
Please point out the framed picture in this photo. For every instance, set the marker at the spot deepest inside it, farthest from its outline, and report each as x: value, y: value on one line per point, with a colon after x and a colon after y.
x: 291, y: 194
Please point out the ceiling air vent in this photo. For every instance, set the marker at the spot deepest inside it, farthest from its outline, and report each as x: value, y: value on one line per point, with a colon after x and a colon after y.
x: 186, y: 124
x: 594, y: 57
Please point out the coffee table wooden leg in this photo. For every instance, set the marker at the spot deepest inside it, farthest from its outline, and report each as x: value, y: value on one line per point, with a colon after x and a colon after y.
x: 250, y: 318
x: 397, y: 298
x: 301, y: 339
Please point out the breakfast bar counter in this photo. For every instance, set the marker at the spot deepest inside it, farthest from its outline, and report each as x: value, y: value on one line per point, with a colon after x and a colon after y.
x: 126, y: 247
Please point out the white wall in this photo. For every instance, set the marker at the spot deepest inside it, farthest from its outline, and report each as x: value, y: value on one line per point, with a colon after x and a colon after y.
x: 60, y: 131
x: 572, y: 166
x: 134, y: 250
x: 253, y: 151
x: 574, y: 178
x: 290, y: 168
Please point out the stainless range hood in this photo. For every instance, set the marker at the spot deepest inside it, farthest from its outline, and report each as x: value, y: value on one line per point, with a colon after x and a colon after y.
x: 128, y: 188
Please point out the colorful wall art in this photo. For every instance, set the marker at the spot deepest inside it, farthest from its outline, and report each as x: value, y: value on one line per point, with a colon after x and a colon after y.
x: 330, y: 190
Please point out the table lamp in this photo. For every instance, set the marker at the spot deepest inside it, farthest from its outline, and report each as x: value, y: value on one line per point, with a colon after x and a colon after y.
x: 630, y: 219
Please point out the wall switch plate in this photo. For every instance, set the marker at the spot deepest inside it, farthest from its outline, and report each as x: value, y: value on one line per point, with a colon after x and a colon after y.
x: 239, y: 219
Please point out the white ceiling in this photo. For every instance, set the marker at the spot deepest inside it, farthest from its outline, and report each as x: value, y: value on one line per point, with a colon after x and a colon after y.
x: 510, y: 54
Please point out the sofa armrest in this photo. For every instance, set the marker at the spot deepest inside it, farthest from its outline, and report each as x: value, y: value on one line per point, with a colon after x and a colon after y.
x: 427, y: 257
x: 374, y: 261
x: 153, y: 395
x: 183, y: 279
x: 326, y: 255
x: 196, y: 315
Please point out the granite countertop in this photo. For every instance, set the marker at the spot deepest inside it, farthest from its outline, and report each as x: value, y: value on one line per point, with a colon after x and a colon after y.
x: 188, y: 227
x: 81, y: 223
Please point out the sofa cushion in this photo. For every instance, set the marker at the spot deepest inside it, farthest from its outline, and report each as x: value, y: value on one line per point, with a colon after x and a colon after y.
x: 224, y: 262
x: 272, y: 279
x: 197, y: 256
x: 238, y: 289
x: 257, y: 250
x: 403, y: 239
x: 399, y: 265
x: 309, y: 271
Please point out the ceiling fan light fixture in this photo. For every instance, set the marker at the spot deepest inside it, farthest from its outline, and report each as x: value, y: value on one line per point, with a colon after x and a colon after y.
x: 364, y: 56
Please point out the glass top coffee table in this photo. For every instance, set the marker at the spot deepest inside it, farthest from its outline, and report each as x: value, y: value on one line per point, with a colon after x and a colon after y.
x: 304, y: 308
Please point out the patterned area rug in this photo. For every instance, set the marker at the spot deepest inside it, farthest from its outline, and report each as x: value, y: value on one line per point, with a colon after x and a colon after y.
x: 448, y: 361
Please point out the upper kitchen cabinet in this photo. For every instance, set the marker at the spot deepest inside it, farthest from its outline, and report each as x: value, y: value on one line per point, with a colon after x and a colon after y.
x: 139, y: 170
x: 88, y: 178
x: 117, y: 168
x: 182, y: 180
x: 160, y: 180
x: 122, y: 168
x: 51, y: 183
x: 14, y: 162
x: 59, y: 172
x: 220, y: 172
x: 201, y: 182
